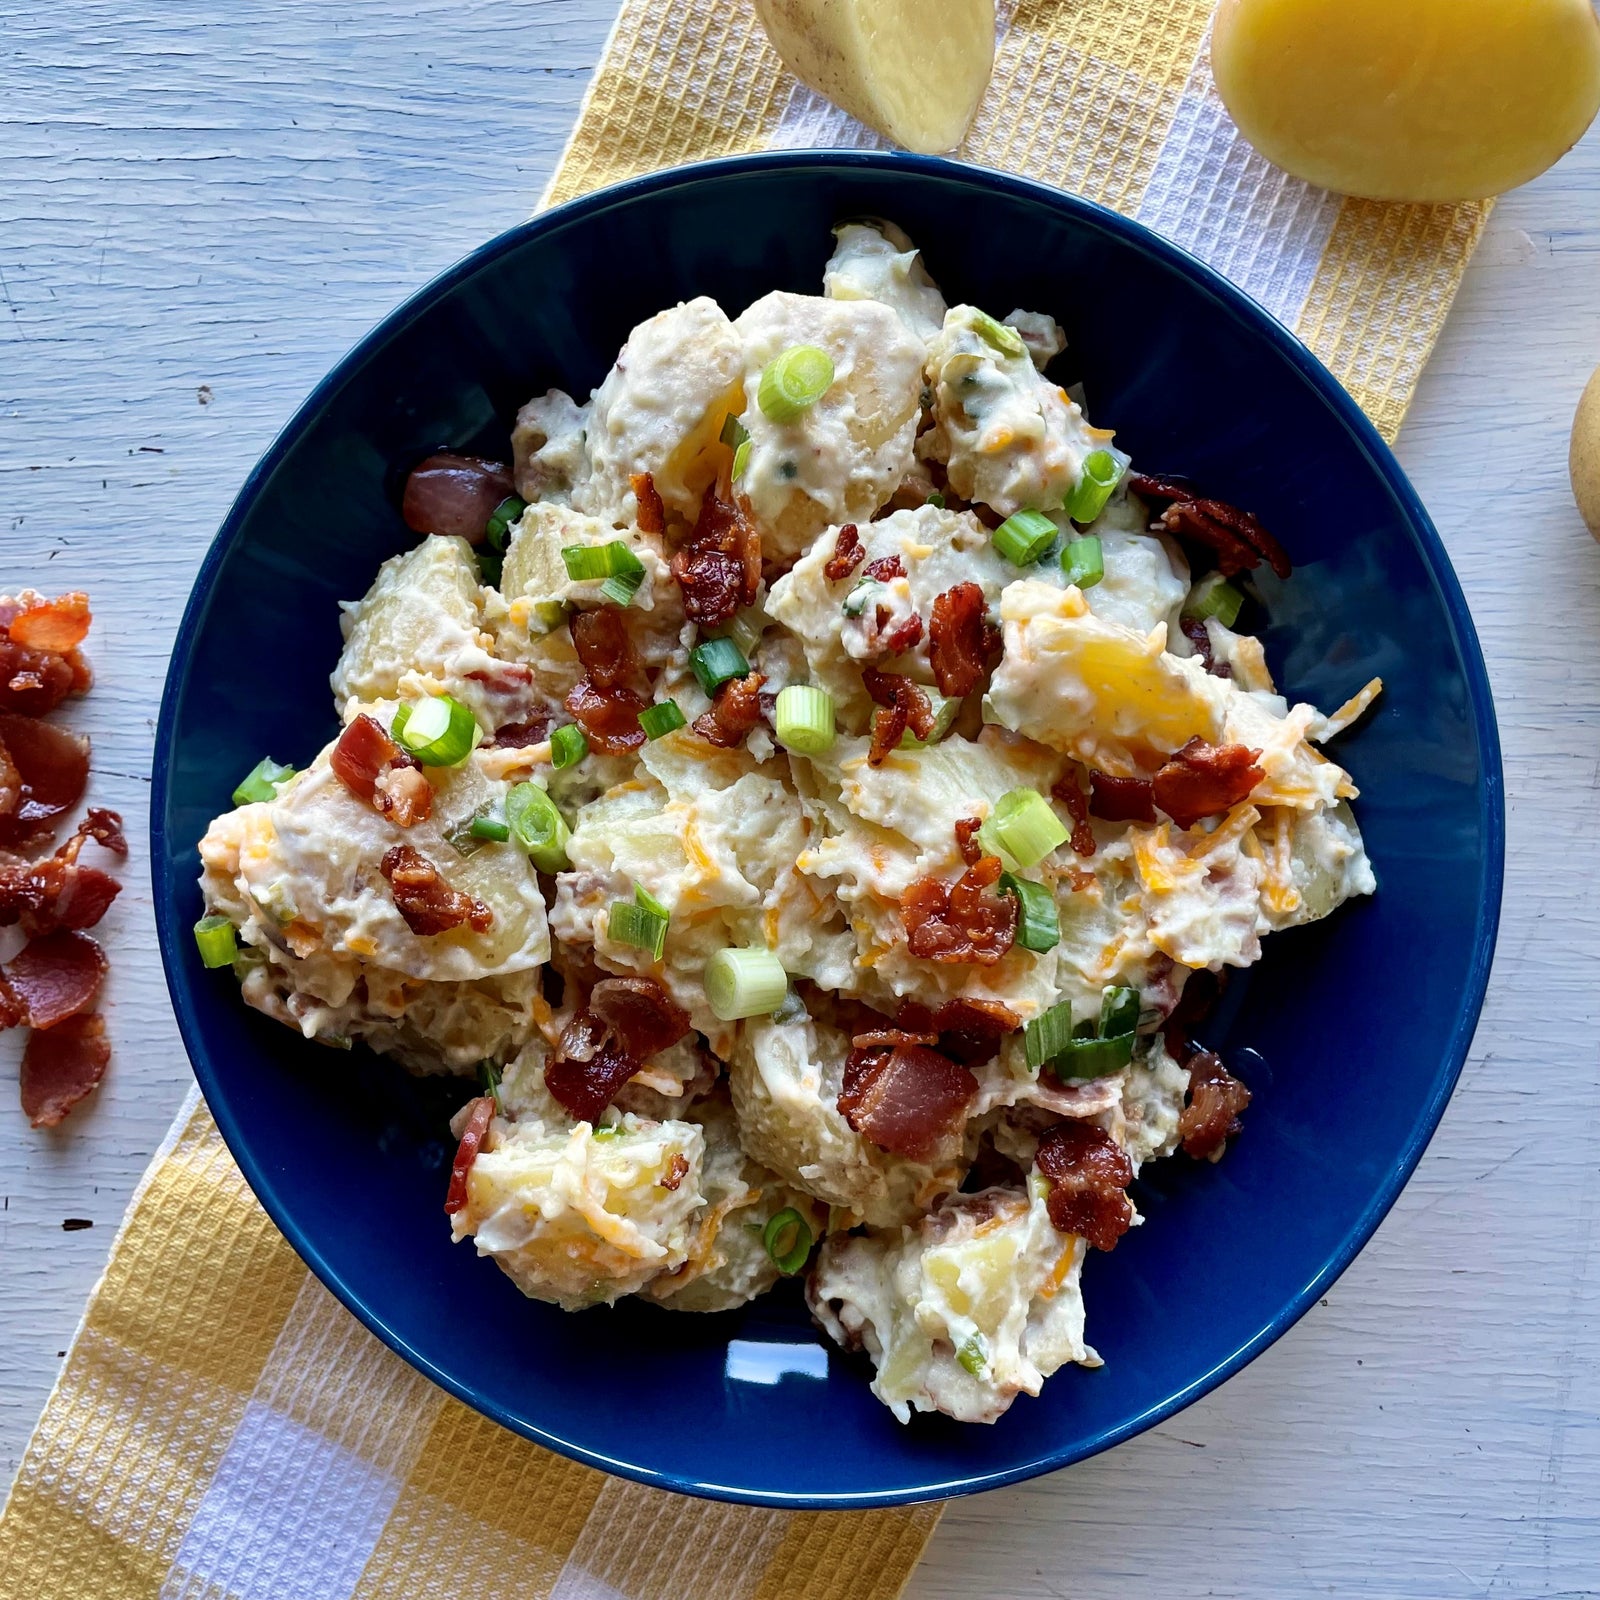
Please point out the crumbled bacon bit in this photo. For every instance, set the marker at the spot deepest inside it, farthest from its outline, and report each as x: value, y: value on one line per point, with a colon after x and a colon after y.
x: 963, y: 922
x: 1088, y: 1172
x: 652, y: 514
x: 455, y: 495
x: 1070, y: 793
x: 847, y: 554
x: 42, y: 776
x: 901, y: 704
x: 677, y: 1171
x: 56, y: 626
x: 908, y: 1100
x: 888, y: 1038
x: 604, y: 647
x: 1202, y: 780
x: 57, y: 892
x: 423, y: 897
x: 61, y: 1065
x: 718, y: 566
x: 905, y: 635
x: 1239, y: 542
x: 519, y: 735
x: 479, y: 1116
x: 967, y: 839
x: 1195, y: 631
x: 1196, y: 1002
x: 735, y: 712
x: 639, y: 1013
x: 961, y: 639
x: 1121, y: 799
x: 104, y: 827
x: 375, y: 769
x: 33, y: 682
x: 55, y: 977
x: 1215, y: 1100
x: 884, y: 569
x: 627, y: 1021
x: 609, y: 717
x: 968, y: 1030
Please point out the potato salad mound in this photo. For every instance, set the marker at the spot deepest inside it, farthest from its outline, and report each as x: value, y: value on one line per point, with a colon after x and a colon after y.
x: 816, y: 788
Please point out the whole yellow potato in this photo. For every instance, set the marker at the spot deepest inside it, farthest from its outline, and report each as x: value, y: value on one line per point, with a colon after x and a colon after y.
x: 1410, y: 99
x: 1584, y: 459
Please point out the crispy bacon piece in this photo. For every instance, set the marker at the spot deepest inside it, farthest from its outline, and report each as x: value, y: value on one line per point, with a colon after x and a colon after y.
x: 519, y: 735
x: 677, y: 1171
x: 735, y: 711
x: 33, y: 682
x: 967, y: 839
x: 905, y: 635
x: 1194, y: 630
x: 1121, y: 799
x: 652, y: 514
x: 56, y: 626
x: 901, y: 704
x: 888, y: 1038
x: 847, y: 554
x: 1210, y: 1116
x: 61, y: 1065
x: 42, y: 776
x: 1196, y: 1002
x: 884, y: 569
x: 1203, y: 779
x: 1070, y: 793
x: 609, y: 717
x: 472, y: 1137
x: 718, y: 566
x: 627, y: 1021
x: 586, y: 1086
x: 55, y: 977
x: 961, y: 922
x: 425, y: 899
x: 604, y: 648
x: 639, y: 1014
x: 455, y: 495
x: 969, y: 1030
x: 908, y: 1100
x: 1239, y: 542
x: 1088, y: 1172
x: 961, y: 639
x: 375, y: 769
x: 57, y: 892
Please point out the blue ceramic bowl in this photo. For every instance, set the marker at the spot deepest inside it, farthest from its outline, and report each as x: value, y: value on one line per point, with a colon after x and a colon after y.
x: 1358, y: 1025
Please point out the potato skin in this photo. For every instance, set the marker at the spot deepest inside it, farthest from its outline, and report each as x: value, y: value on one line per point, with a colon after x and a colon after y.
x: 1584, y: 458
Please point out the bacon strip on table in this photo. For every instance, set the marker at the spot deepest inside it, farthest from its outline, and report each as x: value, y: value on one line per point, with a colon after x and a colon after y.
x: 1211, y: 1112
x: 735, y: 712
x: 1121, y: 799
x: 40, y: 664
x: 847, y: 554
x: 53, y: 977
x: 1237, y: 539
x: 57, y: 892
x: 907, y: 1100
x: 43, y: 773
x: 961, y: 639
x: 627, y: 1021
x: 652, y: 514
x: 1070, y: 793
x: 423, y: 897
x: 375, y: 769
x: 718, y: 567
x: 968, y: 1030
x: 56, y: 626
x: 455, y: 495
x: 1088, y: 1173
x: 479, y: 1116
x: 61, y: 1065
x: 1204, y: 780
x: 962, y: 922
x: 901, y: 704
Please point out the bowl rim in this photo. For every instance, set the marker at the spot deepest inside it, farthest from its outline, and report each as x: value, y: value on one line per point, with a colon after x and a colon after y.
x: 173, y: 937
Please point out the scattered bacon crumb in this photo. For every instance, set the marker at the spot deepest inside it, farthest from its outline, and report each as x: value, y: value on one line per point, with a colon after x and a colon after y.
x: 42, y: 776
x: 905, y: 635
x: 967, y: 839
x: 627, y: 1021
x: 885, y: 568
x: 519, y: 735
x: 33, y: 682
x: 1195, y: 631
x: 455, y: 495
x: 479, y: 1117
x: 609, y: 717
x: 677, y: 1171
x: 847, y: 554
x: 961, y: 639
x: 735, y: 712
x: 1239, y: 542
x: 423, y: 897
x: 56, y: 626
x: 366, y: 760
x: 652, y: 514
x: 54, y: 977
x: 961, y: 922
x: 718, y: 567
x: 907, y: 1100
x: 604, y: 647
x: 1088, y: 1172
x: 642, y: 1017
x: 968, y: 1030
x: 901, y: 704
x: 1214, y: 1103
x: 56, y: 892
x: 62, y: 1065
x: 1070, y: 793
x: 1202, y: 780
x: 1121, y: 799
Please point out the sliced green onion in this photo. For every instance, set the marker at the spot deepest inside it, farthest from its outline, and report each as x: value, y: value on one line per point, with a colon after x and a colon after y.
x: 1022, y: 830
x: 1038, y: 925
x: 643, y: 897
x: 265, y: 779
x: 999, y: 335
x: 621, y: 589
x: 216, y: 941
x: 585, y: 562
x: 936, y: 500
x: 804, y: 718
x: 662, y: 719
x: 1119, y: 1013
x: 491, y: 567
x: 794, y: 381
x: 1024, y: 536
x: 547, y: 615
x: 568, y: 746
x: 737, y: 438
x: 715, y: 661
x: 490, y: 829
x: 1092, y: 1058
x: 538, y: 827
x: 463, y: 840
x: 974, y: 1356
x: 856, y: 601
x: 502, y: 518
x: 793, y: 1009
x: 490, y: 1074
x: 744, y: 983
x: 1213, y: 596
x: 743, y: 627
x: 1101, y: 472
x: 787, y: 1237
x: 612, y: 1130
x: 945, y: 708
x: 1048, y: 1034
x: 1083, y: 562
x: 438, y: 731
x: 640, y: 925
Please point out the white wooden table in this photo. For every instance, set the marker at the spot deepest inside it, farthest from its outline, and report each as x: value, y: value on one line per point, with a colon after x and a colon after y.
x: 202, y: 207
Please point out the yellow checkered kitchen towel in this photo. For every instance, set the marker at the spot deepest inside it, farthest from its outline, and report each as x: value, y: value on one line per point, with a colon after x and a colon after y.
x: 221, y: 1428
x: 224, y: 1430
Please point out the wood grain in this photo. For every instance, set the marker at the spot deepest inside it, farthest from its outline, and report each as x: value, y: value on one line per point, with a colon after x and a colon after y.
x: 200, y: 211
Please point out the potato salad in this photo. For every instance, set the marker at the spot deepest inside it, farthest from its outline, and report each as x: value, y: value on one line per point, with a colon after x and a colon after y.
x: 814, y: 788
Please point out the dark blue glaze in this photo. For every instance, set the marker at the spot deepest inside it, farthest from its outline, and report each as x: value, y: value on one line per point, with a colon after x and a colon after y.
x: 1361, y: 1023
